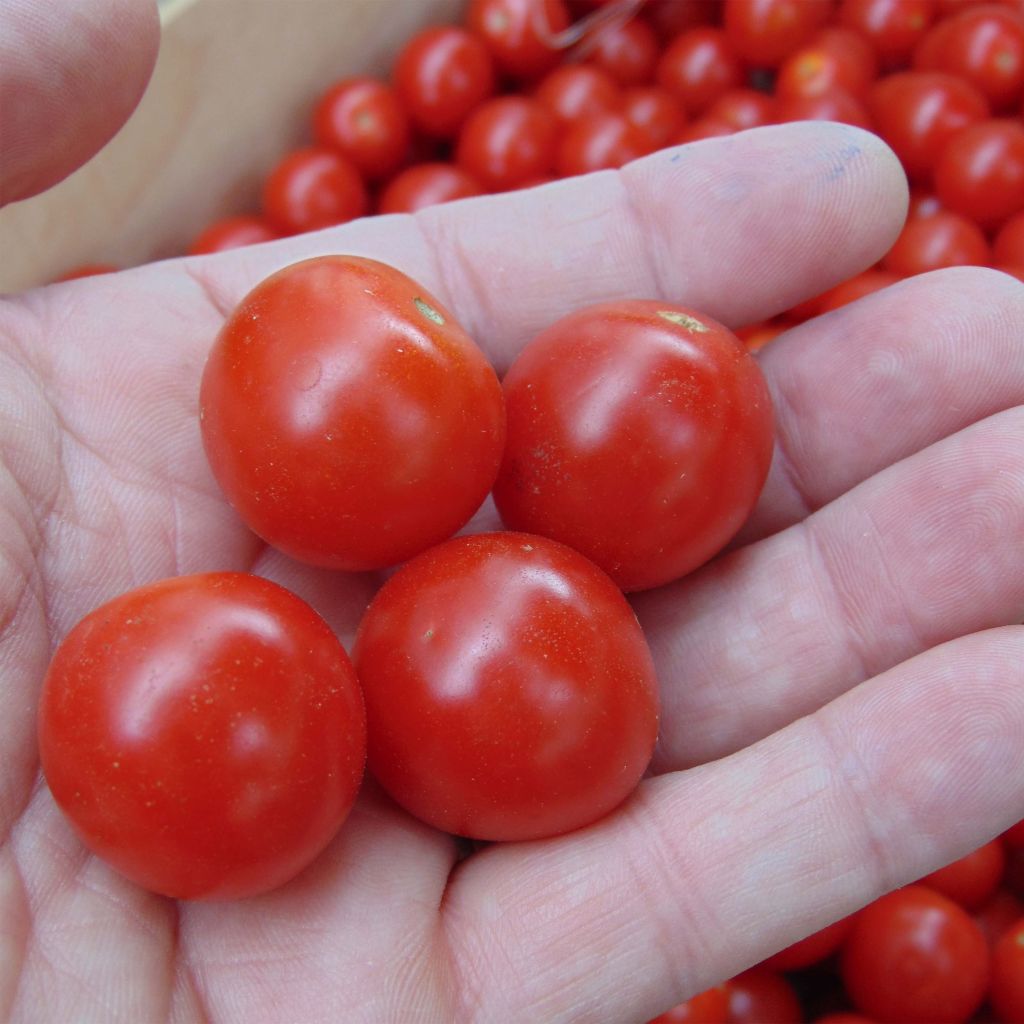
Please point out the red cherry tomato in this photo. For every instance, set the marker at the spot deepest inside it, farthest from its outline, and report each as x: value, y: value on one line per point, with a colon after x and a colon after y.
x: 835, y: 58
x: 893, y: 27
x: 628, y: 51
x: 424, y: 185
x: 640, y: 434
x: 998, y: 915
x: 743, y: 108
x: 598, y: 143
x: 443, y: 74
x: 655, y: 113
x: 830, y: 106
x: 520, y: 33
x: 205, y: 735
x: 982, y: 44
x: 513, y: 719
x: 812, y: 950
x: 1014, y: 836
x: 922, y: 204
x: 944, y: 239
x: 981, y: 172
x: 760, y: 996
x: 232, y: 233
x: 698, y: 67
x: 87, y: 270
x: 311, y: 189
x: 1008, y: 247
x: 704, y: 128
x: 348, y: 418
x: 971, y: 880
x: 854, y: 288
x: 507, y: 142
x: 1007, y: 993
x: 915, y: 956
x: 578, y: 90
x: 765, y: 32
x: 670, y: 18
x: 919, y: 112
x: 708, y: 1007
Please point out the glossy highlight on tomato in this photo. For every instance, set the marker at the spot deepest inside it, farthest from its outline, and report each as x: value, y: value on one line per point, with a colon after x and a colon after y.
x: 346, y: 415
x: 205, y: 735
x: 509, y: 689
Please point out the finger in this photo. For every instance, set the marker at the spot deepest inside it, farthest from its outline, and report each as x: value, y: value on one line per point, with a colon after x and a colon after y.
x: 706, y: 872
x: 876, y: 381
x: 740, y: 227
x: 70, y: 74
x: 926, y: 551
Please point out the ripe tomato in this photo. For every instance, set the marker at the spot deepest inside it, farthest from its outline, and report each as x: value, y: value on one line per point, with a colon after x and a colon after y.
x: 830, y: 106
x: 520, y: 33
x: 812, y: 950
x: 1008, y: 247
x: 424, y: 185
x: 1007, y: 993
x: 915, y: 956
x: 999, y: 915
x: 944, y: 239
x: 513, y: 718
x: 922, y: 204
x: 1014, y: 836
x: 704, y: 128
x: 855, y: 288
x: 507, y: 142
x: 765, y: 32
x: 893, y: 27
x: 655, y: 113
x: 205, y: 735
x: 627, y: 51
x: 578, y: 90
x: 639, y: 433
x: 743, y: 108
x: 443, y: 74
x: 981, y: 172
x: 918, y: 112
x: 670, y: 18
x: 760, y: 996
x: 232, y: 233
x: 697, y: 67
x: 835, y: 58
x: 708, y: 1007
x: 311, y: 189
x: 598, y: 143
x: 348, y: 418
x: 971, y: 880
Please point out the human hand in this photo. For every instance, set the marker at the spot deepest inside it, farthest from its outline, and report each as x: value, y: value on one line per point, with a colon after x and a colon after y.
x: 847, y: 681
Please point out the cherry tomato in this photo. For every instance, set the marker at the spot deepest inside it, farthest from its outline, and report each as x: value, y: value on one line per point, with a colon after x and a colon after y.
x: 812, y: 950
x: 578, y: 90
x: 984, y: 45
x: 655, y: 113
x: 520, y: 33
x: 443, y: 74
x: 944, y: 239
x: 971, y: 880
x: 311, y: 189
x: 915, y: 956
x: 922, y: 204
x: 708, y: 1007
x: 1013, y: 269
x: 919, y: 112
x: 760, y: 996
x: 640, y: 434
x: 87, y: 270
x: 232, y: 233
x: 830, y: 106
x: 598, y: 143
x: 704, y: 128
x: 743, y: 108
x: 835, y: 58
x: 506, y: 142
x: 1014, y: 836
x: 628, y: 51
x: 204, y: 735
x: 670, y: 18
x: 1008, y: 247
x: 998, y: 915
x: 348, y: 418
x: 981, y: 172
x: 1007, y: 993
x: 513, y: 719
x: 765, y: 32
x: 424, y: 185
x: 893, y: 27
x: 698, y: 67
x: 854, y: 288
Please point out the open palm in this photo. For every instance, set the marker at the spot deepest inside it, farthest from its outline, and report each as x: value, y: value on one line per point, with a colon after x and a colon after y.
x: 847, y: 681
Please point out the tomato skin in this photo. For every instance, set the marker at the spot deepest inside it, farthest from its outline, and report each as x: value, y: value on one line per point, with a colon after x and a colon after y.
x: 311, y: 189
x: 704, y: 128
x: 627, y: 51
x: 424, y: 185
x: 765, y: 32
x: 760, y: 996
x: 919, y: 112
x: 848, y: 291
x: 506, y: 142
x: 205, y: 735
x: 1014, y: 836
x: 893, y: 27
x: 971, y: 880
x: 830, y: 106
x: 578, y: 90
x: 510, y: 692
x: 743, y: 108
x: 650, y: 478
x: 915, y: 956
x: 811, y: 950
x: 835, y: 58
x: 708, y: 1007
x: 232, y: 233
x: 945, y: 239
x: 443, y: 74
x: 655, y: 113
x: 333, y: 403
x: 981, y: 172
x: 519, y: 33
x: 598, y: 143
x: 1008, y: 247
x: 1007, y: 992
x: 998, y: 915
x: 697, y: 67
